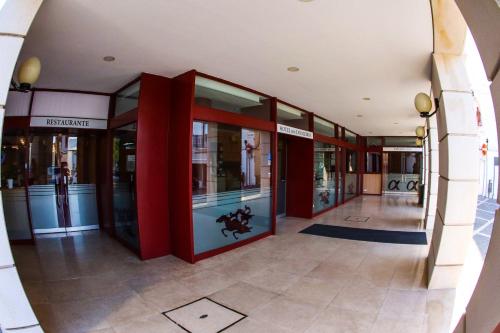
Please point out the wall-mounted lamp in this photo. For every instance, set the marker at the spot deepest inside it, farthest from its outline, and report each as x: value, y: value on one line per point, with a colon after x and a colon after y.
x: 420, y: 132
x: 419, y: 142
x: 27, y: 75
x: 423, y: 104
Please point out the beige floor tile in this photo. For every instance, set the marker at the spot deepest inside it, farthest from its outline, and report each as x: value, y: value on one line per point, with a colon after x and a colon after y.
x: 314, y: 291
x: 250, y: 325
x: 289, y: 313
x: 152, y: 324
x: 272, y: 280
x: 206, y: 282
x: 243, y: 297
x: 408, y: 305
x: 360, y: 296
x: 337, y: 320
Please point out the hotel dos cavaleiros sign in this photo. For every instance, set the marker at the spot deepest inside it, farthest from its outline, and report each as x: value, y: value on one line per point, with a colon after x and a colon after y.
x: 68, y: 122
x: 294, y: 131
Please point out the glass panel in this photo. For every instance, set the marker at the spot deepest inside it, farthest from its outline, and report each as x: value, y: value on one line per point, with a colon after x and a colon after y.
x: 341, y: 186
x: 218, y: 95
x: 373, y: 163
x: 403, y: 171
x: 324, y: 127
x: 373, y: 141
x: 45, y: 179
x: 292, y: 117
x: 350, y: 137
x: 351, y: 177
x: 127, y: 99
x: 15, y: 207
x: 324, y: 176
x: 124, y: 196
x: 231, y: 184
x: 400, y: 141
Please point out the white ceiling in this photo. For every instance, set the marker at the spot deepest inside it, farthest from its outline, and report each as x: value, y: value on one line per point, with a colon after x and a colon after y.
x: 346, y: 50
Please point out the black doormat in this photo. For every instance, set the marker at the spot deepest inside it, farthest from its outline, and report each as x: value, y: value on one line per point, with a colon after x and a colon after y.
x: 368, y: 235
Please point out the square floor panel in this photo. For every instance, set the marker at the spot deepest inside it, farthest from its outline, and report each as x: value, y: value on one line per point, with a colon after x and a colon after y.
x: 357, y: 219
x: 204, y: 316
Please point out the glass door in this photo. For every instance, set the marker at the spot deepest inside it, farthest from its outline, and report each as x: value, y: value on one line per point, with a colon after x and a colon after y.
x: 281, y: 190
x: 124, y: 195
x: 62, y: 178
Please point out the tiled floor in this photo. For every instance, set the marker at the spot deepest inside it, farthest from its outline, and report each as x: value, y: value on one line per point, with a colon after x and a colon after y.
x: 485, y: 216
x: 285, y: 283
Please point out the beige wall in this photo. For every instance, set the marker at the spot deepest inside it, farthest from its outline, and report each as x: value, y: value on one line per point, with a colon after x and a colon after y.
x: 483, y: 310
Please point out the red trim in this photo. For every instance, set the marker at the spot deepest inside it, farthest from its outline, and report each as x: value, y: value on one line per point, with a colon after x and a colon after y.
x: 219, y: 116
x: 17, y: 122
x: 334, y: 141
x: 230, y: 247
x: 210, y: 77
x: 123, y: 119
x: 22, y: 242
x: 274, y: 166
x: 152, y: 166
x: 180, y: 168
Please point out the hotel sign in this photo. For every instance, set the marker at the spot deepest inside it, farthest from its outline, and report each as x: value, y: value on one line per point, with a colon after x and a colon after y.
x: 68, y: 122
x: 294, y: 131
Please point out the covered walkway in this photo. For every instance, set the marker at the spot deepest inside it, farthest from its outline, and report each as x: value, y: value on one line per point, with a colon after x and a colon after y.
x: 290, y: 282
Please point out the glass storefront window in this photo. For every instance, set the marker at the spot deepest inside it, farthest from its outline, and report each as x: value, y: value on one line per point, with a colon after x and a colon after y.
x: 373, y: 163
x: 231, y: 175
x: 351, y: 176
x: 324, y: 192
x: 15, y: 207
x: 124, y: 194
x: 218, y: 95
x: 373, y: 141
x: 351, y: 137
x: 292, y: 117
x: 400, y: 141
x: 324, y: 127
x: 403, y: 171
x: 127, y: 99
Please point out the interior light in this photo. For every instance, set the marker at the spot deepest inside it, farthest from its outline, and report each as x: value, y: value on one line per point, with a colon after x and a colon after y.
x: 420, y: 131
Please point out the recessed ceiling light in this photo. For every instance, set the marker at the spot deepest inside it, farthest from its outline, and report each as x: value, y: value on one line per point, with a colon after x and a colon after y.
x: 396, y: 123
x: 366, y: 98
x: 109, y: 58
x: 359, y: 115
x: 306, y: 0
x: 293, y: 69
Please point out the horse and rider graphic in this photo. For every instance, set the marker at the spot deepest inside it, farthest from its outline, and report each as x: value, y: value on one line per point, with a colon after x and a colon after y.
x: 237, y: 222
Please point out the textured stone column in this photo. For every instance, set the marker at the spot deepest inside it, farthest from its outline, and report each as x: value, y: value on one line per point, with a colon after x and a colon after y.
x: 458, y: 172
x: 15, y: 311
x: 432, y: 172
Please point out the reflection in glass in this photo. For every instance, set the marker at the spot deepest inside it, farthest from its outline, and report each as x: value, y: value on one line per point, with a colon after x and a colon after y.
x: 127, y: 99
x: 350, y: 137
x: 373, y: 141
x: 13, y: 191
x: 231, y: 175
x: 324, y: 127
x: 373, y: 163
x: 124, y: 196
x: 351, y: 176
x: 324, y: 176
x: 292, y: 117
x: 218, y: 95
x: 400, y: 141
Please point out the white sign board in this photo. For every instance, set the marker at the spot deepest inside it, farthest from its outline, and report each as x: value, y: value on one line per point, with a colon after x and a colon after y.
x: 294, y: 131
x: 409, y: 149
x: 68, y: 122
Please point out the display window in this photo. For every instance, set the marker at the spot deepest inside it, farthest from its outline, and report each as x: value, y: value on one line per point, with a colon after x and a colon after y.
x: 351, y: 174
x: 324, y: 192
x: 403, y: 171
x: 231, y: 180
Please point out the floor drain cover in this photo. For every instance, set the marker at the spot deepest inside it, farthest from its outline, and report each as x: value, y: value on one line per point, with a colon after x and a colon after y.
x: 356, y: 219
x: 204, y: 316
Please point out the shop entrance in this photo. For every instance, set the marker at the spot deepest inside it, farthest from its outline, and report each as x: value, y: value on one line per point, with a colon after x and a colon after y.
x: 295, y: 176
x: 62, y: 182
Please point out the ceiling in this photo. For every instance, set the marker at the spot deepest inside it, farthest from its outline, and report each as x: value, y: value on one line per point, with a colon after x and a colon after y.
x: 346, y: 50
